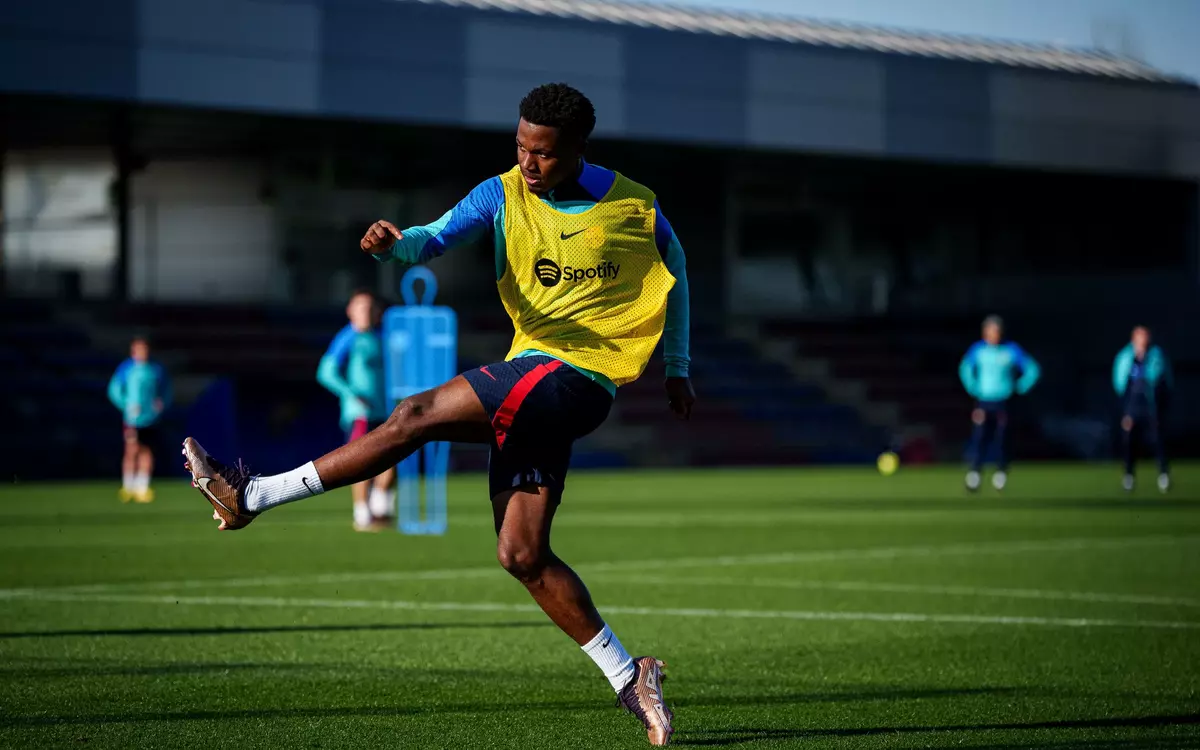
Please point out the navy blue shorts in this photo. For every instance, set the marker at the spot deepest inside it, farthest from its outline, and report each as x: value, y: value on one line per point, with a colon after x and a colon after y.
x: 1140, y: 407
x: 538, y: 406
x: 148, y: 436
x: 992, y: 407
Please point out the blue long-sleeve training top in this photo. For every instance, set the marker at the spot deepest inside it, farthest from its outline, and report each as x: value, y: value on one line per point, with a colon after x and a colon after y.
x: 989, y: 371
x: 141, y: 391
x: 1140, y: 378
x: 482, y: 211
x: 352, y: 369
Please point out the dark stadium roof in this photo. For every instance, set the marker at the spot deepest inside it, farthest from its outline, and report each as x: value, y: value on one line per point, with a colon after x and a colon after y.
x: 800, y: 31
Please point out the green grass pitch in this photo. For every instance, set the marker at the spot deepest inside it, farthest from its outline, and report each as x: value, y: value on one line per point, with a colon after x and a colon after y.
x: 804, y: 608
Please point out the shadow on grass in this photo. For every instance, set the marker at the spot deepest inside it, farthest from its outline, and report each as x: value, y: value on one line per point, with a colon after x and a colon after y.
x: 1174, y: 502
x: 843, y: 696
x: 161, y: 632
x: 38, y: 673
x: 1142, y: 743
x: 451, y: 708
x: 743, y: 735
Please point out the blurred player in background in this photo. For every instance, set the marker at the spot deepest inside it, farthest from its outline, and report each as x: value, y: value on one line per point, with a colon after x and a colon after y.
x: 352, y: 369
x: 1142, y: 379
x: 141, y: 390
x: 592, y: 275
x: 989, y: 372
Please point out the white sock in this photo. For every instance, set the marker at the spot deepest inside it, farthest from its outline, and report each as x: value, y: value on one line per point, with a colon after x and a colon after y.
x: 382, y: 502
x: 141, y: 482
x: 127, y: 480
x: 362, y: 514
x: 264, y: 493
x: 611, y: 657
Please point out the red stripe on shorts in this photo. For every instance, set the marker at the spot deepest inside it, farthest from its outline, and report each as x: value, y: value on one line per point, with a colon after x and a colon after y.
x: 503, y: 421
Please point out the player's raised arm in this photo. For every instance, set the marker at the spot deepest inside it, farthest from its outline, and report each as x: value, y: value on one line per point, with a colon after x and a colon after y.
x: 473, y: 217
x: 379, y: 238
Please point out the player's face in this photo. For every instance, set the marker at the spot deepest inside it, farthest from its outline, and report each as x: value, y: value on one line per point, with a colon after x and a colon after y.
x: 139, y: 351
x: 545, y: 159
x: 361, y: 312
x: 992, y: 333
x: 1140, y: 340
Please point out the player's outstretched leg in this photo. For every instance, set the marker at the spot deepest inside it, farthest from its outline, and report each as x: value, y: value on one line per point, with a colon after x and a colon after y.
x: 450, y: 412
x: 523, y: 517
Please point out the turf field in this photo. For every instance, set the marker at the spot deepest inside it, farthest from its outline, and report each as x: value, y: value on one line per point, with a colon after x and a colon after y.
x: 796, y: 608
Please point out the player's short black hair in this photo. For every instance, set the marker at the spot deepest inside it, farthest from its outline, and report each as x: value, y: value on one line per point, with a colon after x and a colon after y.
x: 361, y: 291
x: 557, y: 105
x: 142, y: 337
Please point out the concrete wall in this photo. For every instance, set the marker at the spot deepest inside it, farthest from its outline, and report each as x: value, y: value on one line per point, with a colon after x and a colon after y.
x: 58, y: 219
x: 201, y: 231
x: 406, y: 61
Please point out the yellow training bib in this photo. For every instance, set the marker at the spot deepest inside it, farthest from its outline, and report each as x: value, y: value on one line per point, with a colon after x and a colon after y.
x: 589, y: 288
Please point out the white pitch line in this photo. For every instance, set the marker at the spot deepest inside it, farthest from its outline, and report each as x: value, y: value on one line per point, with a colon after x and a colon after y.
x: 906, y: 588
x: 266, y: 581
x: 316, y: 578
x: 773, y: 558
x: 676, y: 612
x: 889, y: 553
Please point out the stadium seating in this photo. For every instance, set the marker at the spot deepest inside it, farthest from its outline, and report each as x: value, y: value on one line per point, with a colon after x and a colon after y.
x: 912, y: 364
x: 752, y: 411
x: 55, y: 419
x: 55, y: 365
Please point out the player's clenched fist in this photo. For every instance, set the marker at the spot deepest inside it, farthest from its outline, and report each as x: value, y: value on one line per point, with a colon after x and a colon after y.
x: 380, y: 237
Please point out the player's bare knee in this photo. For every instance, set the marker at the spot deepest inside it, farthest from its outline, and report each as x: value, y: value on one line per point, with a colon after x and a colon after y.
x: 408, y: 420
x: 524, y: 562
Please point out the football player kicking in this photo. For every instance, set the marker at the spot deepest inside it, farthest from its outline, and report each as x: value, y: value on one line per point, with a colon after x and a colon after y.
x: 592, y: 276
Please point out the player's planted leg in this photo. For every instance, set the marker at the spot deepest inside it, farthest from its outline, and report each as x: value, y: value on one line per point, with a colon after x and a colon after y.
x: 1000, y: 478
x: 382, y: 499
x: 523, y: 517
x: 145, y: 469
x: 1127, y: 452
x: 362, y: 513
x: 450, y: 412
x: 977, y: 448
x: 129, y: 467
x: 1154, y: 436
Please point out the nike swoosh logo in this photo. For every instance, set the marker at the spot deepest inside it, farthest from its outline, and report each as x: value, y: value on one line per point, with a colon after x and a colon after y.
x: 565, y: 236
x: 605, y: 644
x: 202, y: 483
